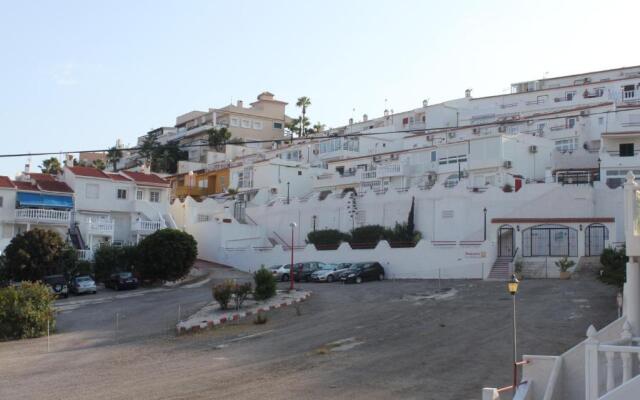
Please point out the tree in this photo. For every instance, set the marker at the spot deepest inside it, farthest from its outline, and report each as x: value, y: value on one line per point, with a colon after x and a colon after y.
x: 149, y: 146
x: 318, y: 127
x: 265, y: 284
x: 165, y: 158
x: 410, y: 223
x: 51, y: 166
x: 114, y: 155
x: 34, y: 254
x: 303, y: 102
x: 295, y: 126
x: 26, y: 311
x: 218, y: 137
x: 99, y: 164
x: 166, y: 255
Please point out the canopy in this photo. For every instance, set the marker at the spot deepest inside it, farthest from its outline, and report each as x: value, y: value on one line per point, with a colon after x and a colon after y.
x: 44, y: 200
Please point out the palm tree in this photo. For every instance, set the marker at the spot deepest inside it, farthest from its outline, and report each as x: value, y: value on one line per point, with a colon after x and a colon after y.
x: 114, y: 155
x: 51, y: 166
x: 303, y: 102
x: 318, y: 127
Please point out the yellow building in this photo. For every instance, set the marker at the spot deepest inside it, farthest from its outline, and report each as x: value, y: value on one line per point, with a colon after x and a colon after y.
x: 199, y: 184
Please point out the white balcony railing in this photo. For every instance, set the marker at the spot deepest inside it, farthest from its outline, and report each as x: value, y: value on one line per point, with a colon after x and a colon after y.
x: 85, y: 255
x: 101, y: 226
x: 365, y: 175
x: 41, y: 215
x: 630, y: 95
x: 147, y: 226
x: 386, y: 170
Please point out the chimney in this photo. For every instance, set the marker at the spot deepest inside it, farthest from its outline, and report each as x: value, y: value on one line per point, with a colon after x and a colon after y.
x: 365, y: 117
x: 239, y: 104
x: 146, y: 168
x: 350, y: 121
x: 68, y: 160
x: 27, y: 166
x: 467, y: 93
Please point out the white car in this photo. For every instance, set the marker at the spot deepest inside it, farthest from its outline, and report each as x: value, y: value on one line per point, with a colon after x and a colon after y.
x: 83, y: 284
x: 282, y: 272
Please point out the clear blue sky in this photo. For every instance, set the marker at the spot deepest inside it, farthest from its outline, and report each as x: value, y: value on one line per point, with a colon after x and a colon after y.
x: 80, y: 74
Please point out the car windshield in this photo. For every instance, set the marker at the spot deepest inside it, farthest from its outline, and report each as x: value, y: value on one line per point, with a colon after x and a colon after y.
x: 83, y: 279
x: 344, y: 265
x: 125, y: 274
x: 358, y: 267
x: 275, y: 267
x: 327, y: 267
x: 54, y: 279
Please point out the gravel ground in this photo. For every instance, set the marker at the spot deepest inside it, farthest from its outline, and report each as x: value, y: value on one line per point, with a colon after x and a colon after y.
x: 378, y: 340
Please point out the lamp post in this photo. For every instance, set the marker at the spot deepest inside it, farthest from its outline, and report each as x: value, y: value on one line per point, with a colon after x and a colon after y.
x: 485, y: 223
x: 315, y: 217
x: 293, y: 226
x: 512, y: 286
x: 599, y: 161
x: 288, y: 192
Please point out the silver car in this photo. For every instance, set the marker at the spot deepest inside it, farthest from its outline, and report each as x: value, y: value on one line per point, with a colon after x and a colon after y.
x: 282, y: 272
x: 329, y: 272
x: 83, y: 284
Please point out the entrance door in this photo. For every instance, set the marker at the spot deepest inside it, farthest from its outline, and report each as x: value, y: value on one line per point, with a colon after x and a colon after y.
x: 595, y: 237
x: 506, y: 239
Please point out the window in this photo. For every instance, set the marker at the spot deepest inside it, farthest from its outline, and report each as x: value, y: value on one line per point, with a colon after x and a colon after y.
x: 154, y: 197
x: 541, y: 99
x: 257, y: 125
x: 277, y: 125
x: 600, y: 120
x: 565, y: 145
x: 139, y: 192
x: 570, y: 122
x: 246, y: 123
x: 202, y: 183
x: 235, y: 122
x: 626, y: 150
x: 569, y: 96
x: 1, y: 201
x: 92, y: 191
x: 299, y: 172
x: 122, y: 194
x: 433, y: 156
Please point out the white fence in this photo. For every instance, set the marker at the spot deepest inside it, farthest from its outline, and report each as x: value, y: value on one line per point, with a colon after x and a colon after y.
x: 41, y: 215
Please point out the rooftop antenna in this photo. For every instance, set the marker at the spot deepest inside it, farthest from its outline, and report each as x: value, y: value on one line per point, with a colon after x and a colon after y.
x: 545, y: 74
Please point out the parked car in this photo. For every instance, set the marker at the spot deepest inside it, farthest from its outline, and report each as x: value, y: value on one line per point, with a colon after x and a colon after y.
x: 342, y: 268
x: 57, y: 285
x: 122, y: 280
x: 303, y: 271
x: 328, y: 272
x: 367, y: 271
x: 283, y: 272
x: 83, y: 284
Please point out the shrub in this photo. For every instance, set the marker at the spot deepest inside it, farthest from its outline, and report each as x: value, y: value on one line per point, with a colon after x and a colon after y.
x: 327, y: 238
x: 369, y: 235
x: 265, y: 284
x: 507, y: 188
x: 222, y: 293
x: 34, y: 254
x: 25, y: 311
x: 240, y: 293
x: 260, y: 319
x: 402, y: 235
x: 166, y: 255
x: 614, y: 263
x: 111, y: 259
x: 564, y: 264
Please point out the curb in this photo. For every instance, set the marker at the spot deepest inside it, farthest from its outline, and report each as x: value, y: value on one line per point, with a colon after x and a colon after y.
x: 211, y: 323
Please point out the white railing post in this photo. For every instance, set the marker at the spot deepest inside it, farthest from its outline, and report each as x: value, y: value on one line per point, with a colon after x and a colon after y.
x: 591, y: 365
x: 610, y: 381
x: 626, y: 357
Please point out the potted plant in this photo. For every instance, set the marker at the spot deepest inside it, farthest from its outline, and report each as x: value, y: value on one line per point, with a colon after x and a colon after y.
x: 564, y: 264
x: 518, y: 265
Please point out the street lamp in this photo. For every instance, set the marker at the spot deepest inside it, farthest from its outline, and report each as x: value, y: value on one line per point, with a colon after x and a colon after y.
x: 485, y: 224
x: 293, y: 226
x: 512, y: 286
x: 315, y: 217
x: 287, y: 192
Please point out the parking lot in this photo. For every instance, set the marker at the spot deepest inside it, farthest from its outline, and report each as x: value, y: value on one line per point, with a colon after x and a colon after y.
x: 376, y: 340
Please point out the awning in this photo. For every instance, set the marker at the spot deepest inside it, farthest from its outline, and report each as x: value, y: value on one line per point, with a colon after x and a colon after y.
x: 44, y: 200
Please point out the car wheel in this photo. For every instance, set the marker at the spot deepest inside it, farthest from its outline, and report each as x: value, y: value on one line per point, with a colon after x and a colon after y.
x: 94, y: 292
x: 359, y: 279
x: 117, y: 287
x: 330, y: 278
x: 284, y: 278
x: 381, y: 277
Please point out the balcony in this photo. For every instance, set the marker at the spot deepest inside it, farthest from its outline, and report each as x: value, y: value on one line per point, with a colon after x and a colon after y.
x: 387, y: 170
x: 630, y: 95
x: 184, y: 191
x: 43, y: 216
x: 100, y: 226
x: 147, y: 226
x: 613, y: 159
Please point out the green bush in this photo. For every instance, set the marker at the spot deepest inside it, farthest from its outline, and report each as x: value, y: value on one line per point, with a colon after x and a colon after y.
x: 25, y: 311
x: 166, y: 255
x: 265, y: 284
x: 223, y: 292
x: 110, y: 259
x: 240, y: 293
x: 327, y: 238
x: 369, y: 235
x: 564, y: 264
x: 402, y: 236
x: 34, y: 254
x: 614, y: 263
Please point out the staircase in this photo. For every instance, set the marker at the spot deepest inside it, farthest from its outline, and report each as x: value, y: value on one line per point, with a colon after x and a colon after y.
x: 587, y: 267
x: 500, y: 269
x: 76, y: 237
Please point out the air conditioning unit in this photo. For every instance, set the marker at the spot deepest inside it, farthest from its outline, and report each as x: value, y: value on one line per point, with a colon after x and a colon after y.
x: 533, y: 149
x: 377, y: 158
x: 502, y: 128
x: 465, y: 174
x: 395, y: 156
x: 476, y: 131
x: 429, y: 138
x: 584, y: 113
x: 451, y: 135
x: 507, y: 164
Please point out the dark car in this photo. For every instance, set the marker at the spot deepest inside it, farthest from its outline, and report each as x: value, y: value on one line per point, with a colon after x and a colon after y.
x: 303, y: 271
x: 122, y: 280
x: 342, y: 269
x: 57, y: 285
x: 360, y: 272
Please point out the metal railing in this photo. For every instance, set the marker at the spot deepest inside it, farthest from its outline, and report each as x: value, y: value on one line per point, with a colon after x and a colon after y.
x: 101, y: 226
x: 628, y: 95
x: 43, y: 216
x: 147, y: 226
x: 85, y: 255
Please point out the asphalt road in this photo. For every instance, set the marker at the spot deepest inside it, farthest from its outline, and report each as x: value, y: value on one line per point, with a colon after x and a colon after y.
x: 378, y: 340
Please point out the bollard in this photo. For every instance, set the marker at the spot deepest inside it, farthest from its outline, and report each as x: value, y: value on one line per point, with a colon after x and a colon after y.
x: 48, y: 336
x: 179, y: 312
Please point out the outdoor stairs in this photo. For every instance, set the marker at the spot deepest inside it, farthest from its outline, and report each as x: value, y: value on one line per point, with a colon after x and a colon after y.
x: 500, y: 269
x: 76, y: 237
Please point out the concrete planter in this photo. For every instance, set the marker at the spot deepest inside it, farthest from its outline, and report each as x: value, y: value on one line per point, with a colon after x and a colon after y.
x: 565, y: 275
